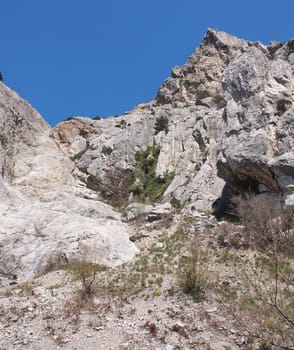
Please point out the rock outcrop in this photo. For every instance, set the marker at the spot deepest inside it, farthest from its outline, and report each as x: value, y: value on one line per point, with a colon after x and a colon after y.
x: 229, y: 117
x: 221, y: 124
x: 45, y: 212
x: 188, y: 149
x: 256, y: 148
x: 200, y: 79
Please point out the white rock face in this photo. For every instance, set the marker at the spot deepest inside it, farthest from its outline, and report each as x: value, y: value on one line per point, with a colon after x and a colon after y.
x: 135, y: 210
x: 227, y: 120
x: 229, y: 112
x: 258, y: 131
x: 192, y: 100
x: 45, y: 212
x: 201, y: 77
x: 188, y: 149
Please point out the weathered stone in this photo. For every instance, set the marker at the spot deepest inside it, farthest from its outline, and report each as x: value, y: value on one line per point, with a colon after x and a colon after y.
x: 225, y: 106
x: 159, y: 212
x: 201, y: 76
x: 256, y: 150
x: 46, y: 212
x: 228, y: 119
x: 135, y: 210
x: 188, y: 149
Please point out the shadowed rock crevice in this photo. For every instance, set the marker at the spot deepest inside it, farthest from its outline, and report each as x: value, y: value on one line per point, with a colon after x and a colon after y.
x: 226, y: 205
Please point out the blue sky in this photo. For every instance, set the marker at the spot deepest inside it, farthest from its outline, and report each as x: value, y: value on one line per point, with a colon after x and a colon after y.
x: 103, y: 57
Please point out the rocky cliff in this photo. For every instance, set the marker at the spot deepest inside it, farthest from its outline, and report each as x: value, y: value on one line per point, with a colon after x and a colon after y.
x: 45, y: 212
x: 221, y: 124
x: 256, y: 148
x: 226, y: 117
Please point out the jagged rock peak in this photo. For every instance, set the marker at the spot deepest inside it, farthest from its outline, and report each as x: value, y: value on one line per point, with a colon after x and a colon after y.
x: 222, y: 40
x: 230, y: 105
x: 199, y: 80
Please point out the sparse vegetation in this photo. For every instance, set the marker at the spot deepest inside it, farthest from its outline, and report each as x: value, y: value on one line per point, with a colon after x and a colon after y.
x: 280, y: 135
x: 248, y: 286
x: 114, y: 187
x: 282, y: 105
x: 27, y: 289
x: 146, y: 271
x: 193, y: 272
x: 84, y: 271
x: 176, y: 203
x: 122, y: 124
x: 144, y: 182
x: 263, y: 308
x: 55, y: 262
x: 200, y: 103
x: 84, y: 133
x: 161, y: 124
x: 268, y: 226
x: 219, y: 101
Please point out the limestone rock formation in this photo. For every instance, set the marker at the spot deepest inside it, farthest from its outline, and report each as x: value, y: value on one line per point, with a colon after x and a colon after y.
x: 221, y: 124
x: 256, y: 148
x: 45, y: 212
x: 188, y: 149
x: 229, y: 117
x: 200, y: 79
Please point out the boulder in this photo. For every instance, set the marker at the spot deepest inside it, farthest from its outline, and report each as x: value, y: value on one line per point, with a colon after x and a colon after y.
x: 136, y: 210
x: 159, y: 212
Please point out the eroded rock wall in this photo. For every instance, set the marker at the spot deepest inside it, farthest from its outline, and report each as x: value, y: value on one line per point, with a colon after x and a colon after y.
x: 46, y: 213
x: 256, y: 148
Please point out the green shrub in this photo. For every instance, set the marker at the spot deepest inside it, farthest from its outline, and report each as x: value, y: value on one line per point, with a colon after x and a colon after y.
x: 193, y: 273
x: 161, y: 124
x: 281, y: 135
x: 1, y: 77
x: 200, y: 103
x: 122, y: 124
x: 85, y: 271
x: 156, y: 185
x: 282, y: 105
x: 219, y: 101
x: 157, y: 293
x: 83, y: 133
x: 175, y: 203
x: 143, y: 179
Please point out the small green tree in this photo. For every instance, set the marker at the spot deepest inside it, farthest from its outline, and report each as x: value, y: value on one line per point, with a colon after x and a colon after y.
x: 176, y: 203
x: 85, y: 271
x: 1, y: 77
x: 283, y: 105
x: 161, y: 124
x: 193, y: 272
x: 143, y: 179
